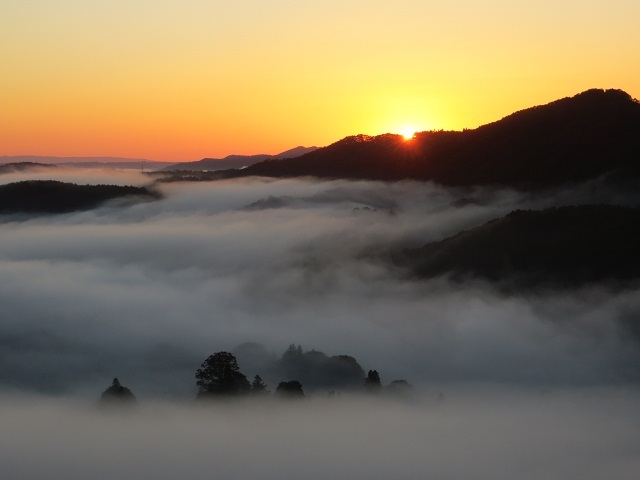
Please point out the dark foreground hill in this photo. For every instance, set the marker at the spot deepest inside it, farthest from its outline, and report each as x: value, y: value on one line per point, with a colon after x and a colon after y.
x: 48, y: 196
x: 566, y: 246
x: 570, y: 140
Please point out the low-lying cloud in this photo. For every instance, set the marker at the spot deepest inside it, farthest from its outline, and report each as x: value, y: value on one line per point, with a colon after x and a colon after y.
x: 465, y: 433
x: 148, y: 291
x: 81, y: 176
x: 529, y: 386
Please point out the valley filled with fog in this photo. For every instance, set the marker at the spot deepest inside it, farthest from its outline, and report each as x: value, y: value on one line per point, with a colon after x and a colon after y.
x: 529, y: 385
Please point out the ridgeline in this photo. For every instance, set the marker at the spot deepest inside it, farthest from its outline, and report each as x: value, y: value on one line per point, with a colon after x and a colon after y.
x: 592, y: 134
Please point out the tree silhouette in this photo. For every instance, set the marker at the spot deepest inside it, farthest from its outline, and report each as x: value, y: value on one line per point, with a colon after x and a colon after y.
x: 290, y: 389
x: 117, y: 393
x: 318, y: 371
x: 219, y: 374
x: 293, y: 353
x: 258, y: 386
x: 372, y: 382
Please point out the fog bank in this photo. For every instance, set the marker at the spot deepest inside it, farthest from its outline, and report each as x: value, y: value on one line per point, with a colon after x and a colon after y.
x: 148, y: 291
x: 501, y: 434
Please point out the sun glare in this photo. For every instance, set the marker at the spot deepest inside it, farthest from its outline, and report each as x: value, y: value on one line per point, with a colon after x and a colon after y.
x: 407, y: 133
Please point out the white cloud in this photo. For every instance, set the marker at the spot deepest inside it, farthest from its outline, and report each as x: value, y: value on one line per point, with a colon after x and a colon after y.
x: 148, y: 291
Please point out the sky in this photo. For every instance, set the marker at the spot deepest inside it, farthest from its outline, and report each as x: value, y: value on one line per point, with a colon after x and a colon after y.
x: 182, y: 80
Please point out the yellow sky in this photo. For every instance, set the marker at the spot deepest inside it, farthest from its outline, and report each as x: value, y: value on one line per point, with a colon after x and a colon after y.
x: 181, y: 80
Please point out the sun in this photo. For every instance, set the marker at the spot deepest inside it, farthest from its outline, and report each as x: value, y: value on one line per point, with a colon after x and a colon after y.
x: 407, y: 133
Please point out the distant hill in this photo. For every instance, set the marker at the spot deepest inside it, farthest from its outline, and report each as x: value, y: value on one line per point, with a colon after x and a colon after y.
x: 213, y: 164
x: 594, y: 133
x: 144, y: 166
x: 235, y: 161
x: 565, y: 246
x: 48, y: 196
x: 25, y: 167
x: 87, y: 162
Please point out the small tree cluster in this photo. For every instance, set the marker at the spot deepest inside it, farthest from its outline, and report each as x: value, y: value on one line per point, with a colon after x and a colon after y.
x: 219, y: 375
x: 318, y: 371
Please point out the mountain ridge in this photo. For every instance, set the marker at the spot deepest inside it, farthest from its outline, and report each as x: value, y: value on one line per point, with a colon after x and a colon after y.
x: 573, y: 139
x: 236, y: 161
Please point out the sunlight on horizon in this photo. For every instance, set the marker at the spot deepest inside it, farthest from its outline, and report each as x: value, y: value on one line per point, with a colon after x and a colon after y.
x: 180, y: 81
x: 407, y: 132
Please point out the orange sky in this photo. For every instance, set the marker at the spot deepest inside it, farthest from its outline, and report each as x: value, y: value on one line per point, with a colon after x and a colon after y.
x: 181, y: 80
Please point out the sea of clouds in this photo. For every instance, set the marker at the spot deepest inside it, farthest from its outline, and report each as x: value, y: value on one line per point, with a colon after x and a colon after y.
x: 531, y: 385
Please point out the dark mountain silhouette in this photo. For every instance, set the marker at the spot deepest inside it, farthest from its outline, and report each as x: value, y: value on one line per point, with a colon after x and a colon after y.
x: 592, y: 134
x: 557, y: 247
x: 48, y: 196
x: 214, y: 164
x: 235, y: 161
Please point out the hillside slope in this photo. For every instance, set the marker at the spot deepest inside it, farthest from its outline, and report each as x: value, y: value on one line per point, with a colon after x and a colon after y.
x: 565, y: 246
x: 234, y: 161
x: 570, y: 140
x: 48, y: 196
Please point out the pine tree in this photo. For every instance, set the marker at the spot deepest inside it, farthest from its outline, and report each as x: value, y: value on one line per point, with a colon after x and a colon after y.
x: 258, y: 386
